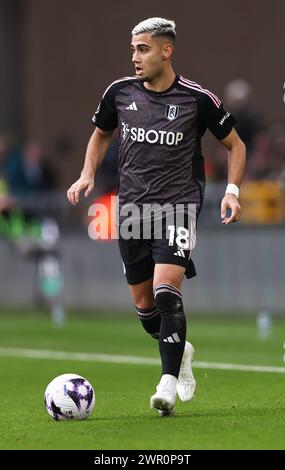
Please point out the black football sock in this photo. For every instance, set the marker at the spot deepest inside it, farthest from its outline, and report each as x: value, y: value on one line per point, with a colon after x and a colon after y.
x: 172, y: 329
x: 150, y: 319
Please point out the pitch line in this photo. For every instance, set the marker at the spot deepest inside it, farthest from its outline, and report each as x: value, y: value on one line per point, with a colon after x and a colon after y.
x: 116, y: 359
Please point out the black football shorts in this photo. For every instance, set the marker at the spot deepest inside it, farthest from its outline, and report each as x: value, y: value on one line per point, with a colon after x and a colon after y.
x: 171, y: 244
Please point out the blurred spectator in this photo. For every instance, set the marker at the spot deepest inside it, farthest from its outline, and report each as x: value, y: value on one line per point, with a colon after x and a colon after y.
x: 260, y: 155
x: 267, y: 159
x: 238, y: 99
x: 31, y: 171
x: 6, y: 200
x: 265, y: 146
x: 33, y: 233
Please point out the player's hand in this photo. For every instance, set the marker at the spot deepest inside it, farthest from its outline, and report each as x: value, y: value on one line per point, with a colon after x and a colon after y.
x: 230, y: 201
x: 83, y: 183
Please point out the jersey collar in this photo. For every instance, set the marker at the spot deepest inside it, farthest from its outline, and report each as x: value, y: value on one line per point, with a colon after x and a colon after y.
x: 157, y: 93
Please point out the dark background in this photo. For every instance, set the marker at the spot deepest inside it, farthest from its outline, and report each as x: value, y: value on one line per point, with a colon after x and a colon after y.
x: 58, y: 57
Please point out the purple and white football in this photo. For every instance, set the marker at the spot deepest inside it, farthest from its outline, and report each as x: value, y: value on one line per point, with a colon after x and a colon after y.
x: 68, y: 397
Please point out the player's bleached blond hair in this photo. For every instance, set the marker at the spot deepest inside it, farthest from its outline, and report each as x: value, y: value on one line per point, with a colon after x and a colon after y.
x: 156, y: 27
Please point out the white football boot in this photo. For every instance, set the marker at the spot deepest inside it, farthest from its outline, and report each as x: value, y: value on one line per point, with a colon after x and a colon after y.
x: 186, y: 383
x: 163, y: 401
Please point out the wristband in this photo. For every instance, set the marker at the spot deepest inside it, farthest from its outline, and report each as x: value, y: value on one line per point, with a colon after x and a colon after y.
x: 232, y: 189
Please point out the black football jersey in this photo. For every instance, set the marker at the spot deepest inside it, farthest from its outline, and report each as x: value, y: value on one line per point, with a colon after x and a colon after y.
x: 160, y: 156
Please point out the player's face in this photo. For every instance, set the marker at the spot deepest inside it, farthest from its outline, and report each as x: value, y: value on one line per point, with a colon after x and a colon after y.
x: 148, y: 56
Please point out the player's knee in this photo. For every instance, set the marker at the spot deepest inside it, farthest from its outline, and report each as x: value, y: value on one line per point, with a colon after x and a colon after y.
x: 144, y: 303
x: 168, y: 299
x: 143, y: 298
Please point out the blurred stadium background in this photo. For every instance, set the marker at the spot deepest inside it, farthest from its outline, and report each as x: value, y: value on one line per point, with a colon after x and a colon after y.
x: 56, y: 60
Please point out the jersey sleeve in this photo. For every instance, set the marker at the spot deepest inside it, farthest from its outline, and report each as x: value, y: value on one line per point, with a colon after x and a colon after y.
x: 214, y: 117
x: 106, y: 117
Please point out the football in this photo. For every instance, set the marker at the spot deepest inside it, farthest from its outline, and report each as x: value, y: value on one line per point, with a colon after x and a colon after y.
x: 69, y: 397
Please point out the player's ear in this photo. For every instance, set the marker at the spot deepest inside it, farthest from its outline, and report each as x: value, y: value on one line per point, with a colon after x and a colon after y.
x: 167, y: 51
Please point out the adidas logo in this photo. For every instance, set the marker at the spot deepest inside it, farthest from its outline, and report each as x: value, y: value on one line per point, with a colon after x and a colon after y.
x: 180, y: 253
x: 174, y: 338
x: 132, y: 106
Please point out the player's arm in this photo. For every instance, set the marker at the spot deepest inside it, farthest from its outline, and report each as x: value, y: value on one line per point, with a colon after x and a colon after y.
x: 96, y: 150
x: 236, y: 165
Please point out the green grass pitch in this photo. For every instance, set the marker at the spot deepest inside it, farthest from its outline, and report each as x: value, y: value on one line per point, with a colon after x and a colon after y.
x: 231, y: 409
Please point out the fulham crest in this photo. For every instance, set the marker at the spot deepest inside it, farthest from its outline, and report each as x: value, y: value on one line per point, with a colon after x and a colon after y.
x: 172, y: 111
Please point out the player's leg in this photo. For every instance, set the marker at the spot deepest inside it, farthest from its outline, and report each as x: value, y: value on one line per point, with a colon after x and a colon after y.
x: 168, y: 297
x: 176, y: 353
x: 143, y: 299
x: 138, y: 269
x: 172, y: 260
x: 167, y: 293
